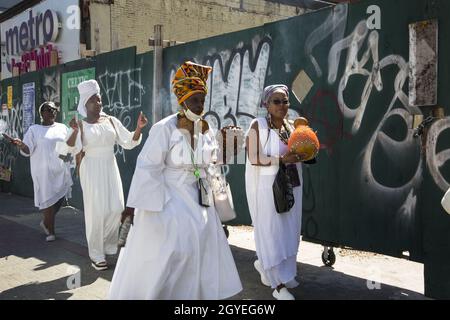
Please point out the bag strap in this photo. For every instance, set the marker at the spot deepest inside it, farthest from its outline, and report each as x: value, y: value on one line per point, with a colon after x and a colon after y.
x: 286, y: 126
x: 262, y: 125
x: 79, y: 156
x: 110, y: 120
x: 80, y: 125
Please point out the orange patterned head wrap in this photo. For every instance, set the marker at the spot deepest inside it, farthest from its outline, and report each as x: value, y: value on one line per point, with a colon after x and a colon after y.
x: 189, y: 79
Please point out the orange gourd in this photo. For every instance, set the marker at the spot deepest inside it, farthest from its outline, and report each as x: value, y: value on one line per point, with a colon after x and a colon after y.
x: 303, y: 141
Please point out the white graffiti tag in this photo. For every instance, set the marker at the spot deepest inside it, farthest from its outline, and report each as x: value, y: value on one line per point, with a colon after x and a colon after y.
x: 436, y: 160
x: 235, y: 90
x: 123, y: 91
x: 11, y: 125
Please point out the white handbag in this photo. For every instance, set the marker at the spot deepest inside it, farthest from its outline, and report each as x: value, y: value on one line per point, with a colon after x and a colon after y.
x: 445, y: 202
x: 223, y: 200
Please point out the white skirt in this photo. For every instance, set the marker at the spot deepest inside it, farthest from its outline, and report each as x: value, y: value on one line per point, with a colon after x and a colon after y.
x: 103, y: 204
x: 277, y: 236
x: 179, y: 253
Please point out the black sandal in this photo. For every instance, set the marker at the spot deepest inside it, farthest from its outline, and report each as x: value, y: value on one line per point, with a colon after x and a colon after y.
x: 99, y: 265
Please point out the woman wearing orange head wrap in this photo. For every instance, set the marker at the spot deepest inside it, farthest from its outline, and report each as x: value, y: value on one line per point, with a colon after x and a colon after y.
x: 176, y: 248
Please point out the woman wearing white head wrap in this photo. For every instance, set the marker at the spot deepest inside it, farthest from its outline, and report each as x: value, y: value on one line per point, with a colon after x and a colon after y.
x: 277, y: 236
x: 52, y: 181
x: 99, y: 175
x: 86, y: 90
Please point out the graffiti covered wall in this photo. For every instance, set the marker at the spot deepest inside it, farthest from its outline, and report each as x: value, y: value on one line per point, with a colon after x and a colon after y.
x: 375, y: 184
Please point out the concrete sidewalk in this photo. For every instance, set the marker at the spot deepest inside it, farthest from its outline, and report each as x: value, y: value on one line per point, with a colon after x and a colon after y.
x: 31, y: 268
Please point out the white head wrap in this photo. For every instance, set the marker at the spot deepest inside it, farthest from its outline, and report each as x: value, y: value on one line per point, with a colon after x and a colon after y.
x: 86, y: 89
x: 269, y: 91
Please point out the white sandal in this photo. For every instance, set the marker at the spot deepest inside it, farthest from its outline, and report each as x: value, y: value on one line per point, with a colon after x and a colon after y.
x: 100, y: 266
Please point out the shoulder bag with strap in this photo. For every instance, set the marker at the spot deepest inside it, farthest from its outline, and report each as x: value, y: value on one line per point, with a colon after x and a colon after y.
x: 223, y: 200
x: 282, y: 187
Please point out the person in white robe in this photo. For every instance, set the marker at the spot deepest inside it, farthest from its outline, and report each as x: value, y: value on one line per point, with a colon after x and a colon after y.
x: 176, y: 248
x: 50, y: 171
x: 277, y: 236
x: 99, y: 174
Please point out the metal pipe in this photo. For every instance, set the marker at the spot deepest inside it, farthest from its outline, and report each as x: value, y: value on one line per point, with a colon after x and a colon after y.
x: 157, y: 73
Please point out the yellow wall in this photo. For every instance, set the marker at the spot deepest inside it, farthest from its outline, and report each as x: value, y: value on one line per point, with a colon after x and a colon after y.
x: 182, y: 20
x: 100, y: 19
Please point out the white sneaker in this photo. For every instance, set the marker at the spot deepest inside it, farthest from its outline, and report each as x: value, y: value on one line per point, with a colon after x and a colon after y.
x: 44, y: 228
x: 259, y: 268
x: 50, y: 238
x: 284, y: 294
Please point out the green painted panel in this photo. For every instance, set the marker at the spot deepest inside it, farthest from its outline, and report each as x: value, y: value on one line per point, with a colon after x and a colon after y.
x: 69, y: 91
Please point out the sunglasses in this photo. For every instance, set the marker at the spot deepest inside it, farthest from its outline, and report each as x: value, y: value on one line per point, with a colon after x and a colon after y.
x: 278, y: 102
x: 46, y: 109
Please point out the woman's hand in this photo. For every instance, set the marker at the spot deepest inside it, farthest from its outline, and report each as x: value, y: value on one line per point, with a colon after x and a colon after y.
x: 291, y: 157
x: 18, y: 143
x: 8, y: 138
x: 73, y: 137
x: 74, y: 124
x: 142, y: 121
x: 127, y: 212
x: 22, y: 146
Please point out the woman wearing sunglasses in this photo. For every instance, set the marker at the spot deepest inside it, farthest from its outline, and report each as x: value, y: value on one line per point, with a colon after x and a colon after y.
x: 277, y: 236
x: 52, y: 180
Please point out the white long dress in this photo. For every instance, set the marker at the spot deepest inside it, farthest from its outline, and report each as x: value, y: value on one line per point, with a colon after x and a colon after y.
x: 277, y: 236
x: 51, y: 175
x: 176, y: 248
x: 101, y: 183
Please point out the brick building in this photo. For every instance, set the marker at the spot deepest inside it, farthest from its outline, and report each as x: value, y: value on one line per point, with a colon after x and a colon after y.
x: 130, y: 22
x: 105, y: 25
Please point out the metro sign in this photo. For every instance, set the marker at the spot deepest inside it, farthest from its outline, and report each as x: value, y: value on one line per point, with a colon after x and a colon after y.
x: 38, y: 30
x: 41, y: 36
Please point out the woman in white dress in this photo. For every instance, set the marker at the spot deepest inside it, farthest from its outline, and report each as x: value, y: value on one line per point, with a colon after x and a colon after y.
x: 100, y: 180
x: 176, y: 248
x: 277, y: 236
x: 52, y: 180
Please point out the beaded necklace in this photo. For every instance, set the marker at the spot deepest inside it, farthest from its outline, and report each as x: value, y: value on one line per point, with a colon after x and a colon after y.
x: 283, y: 135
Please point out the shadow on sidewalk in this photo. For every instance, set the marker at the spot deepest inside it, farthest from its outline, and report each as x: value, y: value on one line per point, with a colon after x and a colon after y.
x: 22, y: 242
x: 61, y: 259
x: 316, y: 283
